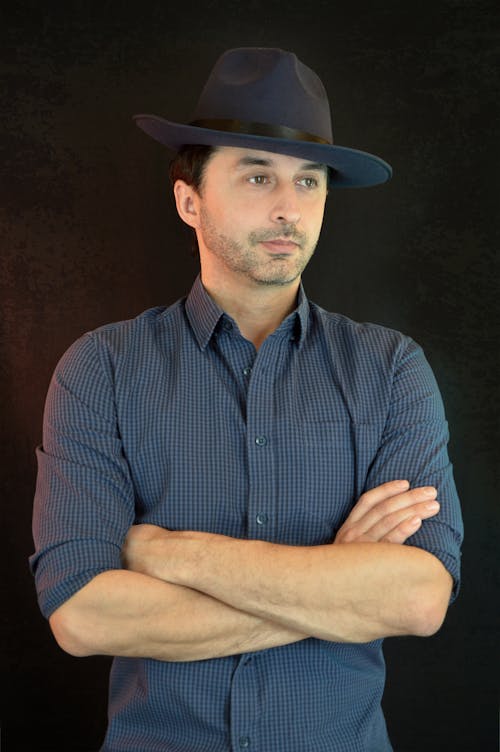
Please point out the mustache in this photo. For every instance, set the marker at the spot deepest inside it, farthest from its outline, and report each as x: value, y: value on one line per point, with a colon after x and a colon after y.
x: 289, y: 232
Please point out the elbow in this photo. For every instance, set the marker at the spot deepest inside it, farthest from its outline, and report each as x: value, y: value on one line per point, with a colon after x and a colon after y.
x: 429, y: 607
x: 428, y: 620
x: 69, y: 633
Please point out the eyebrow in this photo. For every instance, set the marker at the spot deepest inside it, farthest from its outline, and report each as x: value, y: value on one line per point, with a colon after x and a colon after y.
x: 260, y: 162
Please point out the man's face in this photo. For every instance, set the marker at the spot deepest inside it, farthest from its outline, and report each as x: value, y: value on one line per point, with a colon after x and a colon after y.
x: 260, y: 214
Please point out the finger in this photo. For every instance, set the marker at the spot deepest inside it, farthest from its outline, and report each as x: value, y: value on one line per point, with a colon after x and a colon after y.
x: 387, y: 506
x: 377, y: 523
x: 403, y: 531
x: 375, y: 495
x: 403, y: 518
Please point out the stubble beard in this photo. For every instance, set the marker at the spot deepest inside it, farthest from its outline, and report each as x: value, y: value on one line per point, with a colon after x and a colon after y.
x: 245, y: 259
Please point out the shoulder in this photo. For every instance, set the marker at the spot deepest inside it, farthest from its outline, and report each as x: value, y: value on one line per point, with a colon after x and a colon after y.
x: 144, y: 327
x: 377, y: 366
x: 360, y: 340
x: 113, y: 347
x: 371, y: 360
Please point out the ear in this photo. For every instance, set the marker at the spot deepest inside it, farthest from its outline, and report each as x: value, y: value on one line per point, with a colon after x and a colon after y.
x: 187, y: 202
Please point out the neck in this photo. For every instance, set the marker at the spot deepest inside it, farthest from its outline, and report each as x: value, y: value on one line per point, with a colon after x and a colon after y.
x: 257, y: 309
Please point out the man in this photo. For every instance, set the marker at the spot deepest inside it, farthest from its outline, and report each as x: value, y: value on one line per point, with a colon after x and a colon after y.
x: 225, y: 485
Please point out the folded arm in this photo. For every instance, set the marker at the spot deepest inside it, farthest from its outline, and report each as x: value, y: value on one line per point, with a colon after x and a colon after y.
x: 130, y: 614
x: 232, y: 596
x: 360, y: 588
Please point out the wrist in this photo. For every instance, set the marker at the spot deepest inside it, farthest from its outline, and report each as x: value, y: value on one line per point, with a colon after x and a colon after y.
x: 176, y: 556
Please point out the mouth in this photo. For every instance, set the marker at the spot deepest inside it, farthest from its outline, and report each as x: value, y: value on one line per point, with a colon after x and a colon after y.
x: 280, y: 246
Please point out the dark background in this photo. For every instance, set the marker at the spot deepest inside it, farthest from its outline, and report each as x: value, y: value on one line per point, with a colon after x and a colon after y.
x: 89, y: 235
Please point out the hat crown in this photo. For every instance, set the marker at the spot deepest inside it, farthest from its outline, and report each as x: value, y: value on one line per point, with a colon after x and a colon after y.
x: 266, y: 85
x: 266, y: 98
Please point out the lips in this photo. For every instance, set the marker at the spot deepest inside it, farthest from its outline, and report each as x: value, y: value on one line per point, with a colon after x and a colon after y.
x: 279, y: 245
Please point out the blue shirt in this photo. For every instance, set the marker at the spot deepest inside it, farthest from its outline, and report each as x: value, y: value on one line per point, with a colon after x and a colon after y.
x: 173, y: 419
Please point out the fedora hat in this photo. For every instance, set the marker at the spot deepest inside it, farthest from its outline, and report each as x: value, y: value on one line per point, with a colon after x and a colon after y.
x: 267, y: 99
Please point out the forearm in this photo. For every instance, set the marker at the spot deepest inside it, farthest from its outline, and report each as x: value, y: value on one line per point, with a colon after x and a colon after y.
x: 130, y: 614
x: 353, y: 592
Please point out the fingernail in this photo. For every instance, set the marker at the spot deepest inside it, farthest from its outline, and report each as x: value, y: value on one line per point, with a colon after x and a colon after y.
x: 432, y: 506
x: 429, y: 491
x: 415, y: 522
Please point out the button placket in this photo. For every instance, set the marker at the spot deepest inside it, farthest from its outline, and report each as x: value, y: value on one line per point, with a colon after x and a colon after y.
x: 260, y: 419
x: 244, y: 704
x: 236, y: 357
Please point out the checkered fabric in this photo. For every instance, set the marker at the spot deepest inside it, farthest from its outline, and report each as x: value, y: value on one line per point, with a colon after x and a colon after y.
x: 172, y: 418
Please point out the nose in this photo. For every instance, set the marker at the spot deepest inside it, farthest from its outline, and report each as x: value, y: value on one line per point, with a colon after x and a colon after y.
x: 285, y: 209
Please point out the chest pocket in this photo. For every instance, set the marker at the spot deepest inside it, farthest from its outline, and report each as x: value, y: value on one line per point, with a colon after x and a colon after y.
x: 327, y: 463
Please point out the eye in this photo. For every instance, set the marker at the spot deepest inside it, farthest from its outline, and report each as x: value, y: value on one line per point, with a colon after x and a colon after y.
x: 258, y: 179
x: 309, y: 182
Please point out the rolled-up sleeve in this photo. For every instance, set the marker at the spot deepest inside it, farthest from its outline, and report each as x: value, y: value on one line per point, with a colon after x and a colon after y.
x: 84, y: 499
x: 414, y: 447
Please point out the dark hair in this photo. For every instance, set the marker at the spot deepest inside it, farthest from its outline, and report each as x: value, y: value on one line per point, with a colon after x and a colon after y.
x: 189, y: 165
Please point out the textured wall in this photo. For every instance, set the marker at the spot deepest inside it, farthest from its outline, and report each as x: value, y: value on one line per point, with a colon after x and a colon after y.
x: 88, y: 235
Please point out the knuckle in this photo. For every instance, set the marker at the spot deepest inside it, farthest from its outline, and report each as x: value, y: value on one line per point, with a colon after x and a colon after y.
x: 349, y: 535
x: 364, y: 502
x: 394, y: 537
x: 386, y: 507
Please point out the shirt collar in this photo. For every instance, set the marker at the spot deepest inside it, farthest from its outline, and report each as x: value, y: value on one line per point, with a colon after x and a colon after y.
x: 204, y: 314
x: 302, y: 315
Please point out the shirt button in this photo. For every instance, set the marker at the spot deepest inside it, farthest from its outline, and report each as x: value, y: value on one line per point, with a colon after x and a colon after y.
x: 247, y: 371
x: 244, y: 742
x: 261, y: 441
x: 261, y: 519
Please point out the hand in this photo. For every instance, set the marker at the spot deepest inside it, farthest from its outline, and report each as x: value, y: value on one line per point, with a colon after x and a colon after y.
x: 390, y: 512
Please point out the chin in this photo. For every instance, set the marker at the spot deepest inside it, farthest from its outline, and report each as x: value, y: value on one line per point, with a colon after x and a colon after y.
x: 277, y: 280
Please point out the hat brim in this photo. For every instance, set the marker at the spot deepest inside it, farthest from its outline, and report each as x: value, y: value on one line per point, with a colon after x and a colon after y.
x: 352, y: 168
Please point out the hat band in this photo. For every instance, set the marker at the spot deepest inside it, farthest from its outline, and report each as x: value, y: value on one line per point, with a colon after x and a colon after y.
x: 259, y: 129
